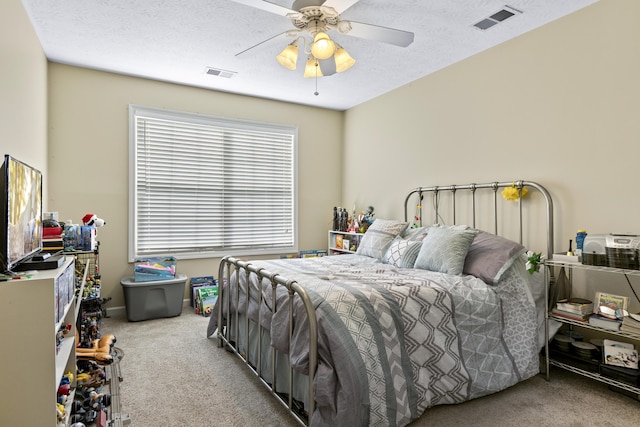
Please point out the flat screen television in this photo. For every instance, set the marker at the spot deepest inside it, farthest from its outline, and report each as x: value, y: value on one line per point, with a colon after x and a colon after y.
x: 21, y: 215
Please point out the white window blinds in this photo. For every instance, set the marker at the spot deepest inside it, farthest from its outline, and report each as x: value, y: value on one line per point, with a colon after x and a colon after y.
x: 209, y: 186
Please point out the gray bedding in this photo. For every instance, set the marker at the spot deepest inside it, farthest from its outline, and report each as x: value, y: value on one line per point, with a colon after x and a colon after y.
x: 396, y: 341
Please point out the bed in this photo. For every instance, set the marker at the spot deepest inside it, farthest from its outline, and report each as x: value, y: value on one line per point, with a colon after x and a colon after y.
x: 419, y: 316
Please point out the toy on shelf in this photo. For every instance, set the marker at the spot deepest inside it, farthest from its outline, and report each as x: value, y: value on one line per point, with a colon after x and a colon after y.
x: 92, y: 219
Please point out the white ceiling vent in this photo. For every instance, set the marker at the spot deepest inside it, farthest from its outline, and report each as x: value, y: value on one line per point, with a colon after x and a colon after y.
x: 220, y: 73
x: 500, y: 16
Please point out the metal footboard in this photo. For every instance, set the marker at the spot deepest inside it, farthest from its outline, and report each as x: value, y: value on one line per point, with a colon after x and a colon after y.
x: 227, y: 329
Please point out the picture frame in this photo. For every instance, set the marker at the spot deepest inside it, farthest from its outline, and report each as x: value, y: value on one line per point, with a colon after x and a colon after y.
x: 614, y: 305
x: 621, y: 354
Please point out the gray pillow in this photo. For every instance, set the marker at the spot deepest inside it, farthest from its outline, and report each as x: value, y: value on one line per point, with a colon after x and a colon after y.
x: 415, y: 234
x: 378, y: 237
x: 402, y: 253
x: 444, y: 249
x: 490, y: 256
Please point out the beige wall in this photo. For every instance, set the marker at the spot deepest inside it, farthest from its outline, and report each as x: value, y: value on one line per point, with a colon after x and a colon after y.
x: 23, y: 89
x: 89, y: 152
x: 559, y: 106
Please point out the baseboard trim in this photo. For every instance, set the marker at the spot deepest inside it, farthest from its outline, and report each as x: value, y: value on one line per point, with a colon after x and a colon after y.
x: 122, y: 310
x: 116, y: 311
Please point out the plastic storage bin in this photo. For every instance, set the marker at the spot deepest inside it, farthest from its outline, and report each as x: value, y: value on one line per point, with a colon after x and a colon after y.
x: 152, y: 300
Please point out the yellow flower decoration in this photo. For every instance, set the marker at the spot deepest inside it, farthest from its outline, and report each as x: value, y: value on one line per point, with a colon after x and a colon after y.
x: 512, y: 193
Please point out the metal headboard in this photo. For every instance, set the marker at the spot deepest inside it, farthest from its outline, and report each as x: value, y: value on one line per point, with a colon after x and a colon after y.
x: 492, y: 186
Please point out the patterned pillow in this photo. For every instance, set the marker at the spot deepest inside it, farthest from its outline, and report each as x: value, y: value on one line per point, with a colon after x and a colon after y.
x: 379, y: 236
x: 444, y: 249
x: 490, y: 256
x: 402, y: 253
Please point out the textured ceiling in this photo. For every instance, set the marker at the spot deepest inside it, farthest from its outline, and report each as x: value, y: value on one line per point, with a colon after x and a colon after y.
x: 176, y: 40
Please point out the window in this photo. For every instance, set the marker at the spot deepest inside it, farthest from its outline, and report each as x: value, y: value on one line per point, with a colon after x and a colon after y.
x: 203, y: 186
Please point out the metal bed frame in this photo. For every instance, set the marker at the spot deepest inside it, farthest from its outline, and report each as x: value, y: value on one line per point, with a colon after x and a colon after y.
x: 493, y: 187
x: 229, y: 265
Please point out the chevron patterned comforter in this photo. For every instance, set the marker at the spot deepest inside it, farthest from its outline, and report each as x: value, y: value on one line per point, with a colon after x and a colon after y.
x: 394, y: 342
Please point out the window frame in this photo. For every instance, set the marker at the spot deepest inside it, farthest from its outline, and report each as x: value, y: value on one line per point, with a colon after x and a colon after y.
x: 204, y: 119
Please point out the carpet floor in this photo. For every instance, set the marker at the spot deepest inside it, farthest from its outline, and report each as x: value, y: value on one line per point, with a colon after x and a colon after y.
x: 174, y: 376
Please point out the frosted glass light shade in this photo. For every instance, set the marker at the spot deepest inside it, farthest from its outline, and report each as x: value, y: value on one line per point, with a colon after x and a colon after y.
x: 322, y: 47
x: 288, y: 57
x: 344, y: 61
x: 312, y: 69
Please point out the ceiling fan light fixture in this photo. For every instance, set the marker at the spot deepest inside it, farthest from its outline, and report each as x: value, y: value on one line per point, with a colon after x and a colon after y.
x: 312, y: 68
x: 344, y: 61
x: 289, y: 56
x: 323, y: 47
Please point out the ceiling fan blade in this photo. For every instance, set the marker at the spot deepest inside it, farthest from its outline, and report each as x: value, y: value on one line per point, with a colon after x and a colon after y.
x: 265, y: 5
x: 381, y: 34
x: 340, y: 5
x: 262, y: 42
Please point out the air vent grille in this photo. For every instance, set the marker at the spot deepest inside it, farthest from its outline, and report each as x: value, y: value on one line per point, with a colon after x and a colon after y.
x: 220, y: 73
x: 496, y: 18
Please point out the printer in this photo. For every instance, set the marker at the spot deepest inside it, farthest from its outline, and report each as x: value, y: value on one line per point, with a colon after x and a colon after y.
x: 618, y: 250
x: 622, y: 250
x: 593, y: 250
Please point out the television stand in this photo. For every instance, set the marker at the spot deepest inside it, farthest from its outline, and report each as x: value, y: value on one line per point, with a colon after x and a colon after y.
x: 49, y: 263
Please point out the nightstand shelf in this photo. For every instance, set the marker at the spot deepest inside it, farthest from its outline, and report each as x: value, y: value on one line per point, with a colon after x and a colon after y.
x: 343, y: 242
x: 563, y: 364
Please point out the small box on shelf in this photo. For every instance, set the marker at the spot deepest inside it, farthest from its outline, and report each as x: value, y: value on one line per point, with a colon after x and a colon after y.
x: 563, y: 257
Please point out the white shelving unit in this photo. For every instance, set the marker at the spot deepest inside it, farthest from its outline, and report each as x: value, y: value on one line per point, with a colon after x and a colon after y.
x: 593, y: 375
x: 336, y: 242
x: 32, y: 310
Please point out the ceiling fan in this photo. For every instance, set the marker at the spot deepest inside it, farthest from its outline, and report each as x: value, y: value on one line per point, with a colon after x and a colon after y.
x: 317, y: 17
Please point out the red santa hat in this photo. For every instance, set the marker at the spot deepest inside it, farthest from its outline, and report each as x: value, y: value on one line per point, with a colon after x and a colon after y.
x: 92, y: 219
x: 88, y: 218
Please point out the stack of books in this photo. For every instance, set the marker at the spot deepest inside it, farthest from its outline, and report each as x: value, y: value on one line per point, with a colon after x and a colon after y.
x: 577, y: 309
x: 631, y: 324
x: 52, y: 239
x: 604, y: 322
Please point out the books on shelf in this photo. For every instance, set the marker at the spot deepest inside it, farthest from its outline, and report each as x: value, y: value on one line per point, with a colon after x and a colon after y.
x: 620, y: 354
x: 569, y: 315
x: 604, y: 322
x: 339, y: 239
x: 629, y: 324
x: 575, y: 305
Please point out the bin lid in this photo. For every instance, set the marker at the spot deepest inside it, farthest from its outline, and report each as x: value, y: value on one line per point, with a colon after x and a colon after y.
x: 130, y: 281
